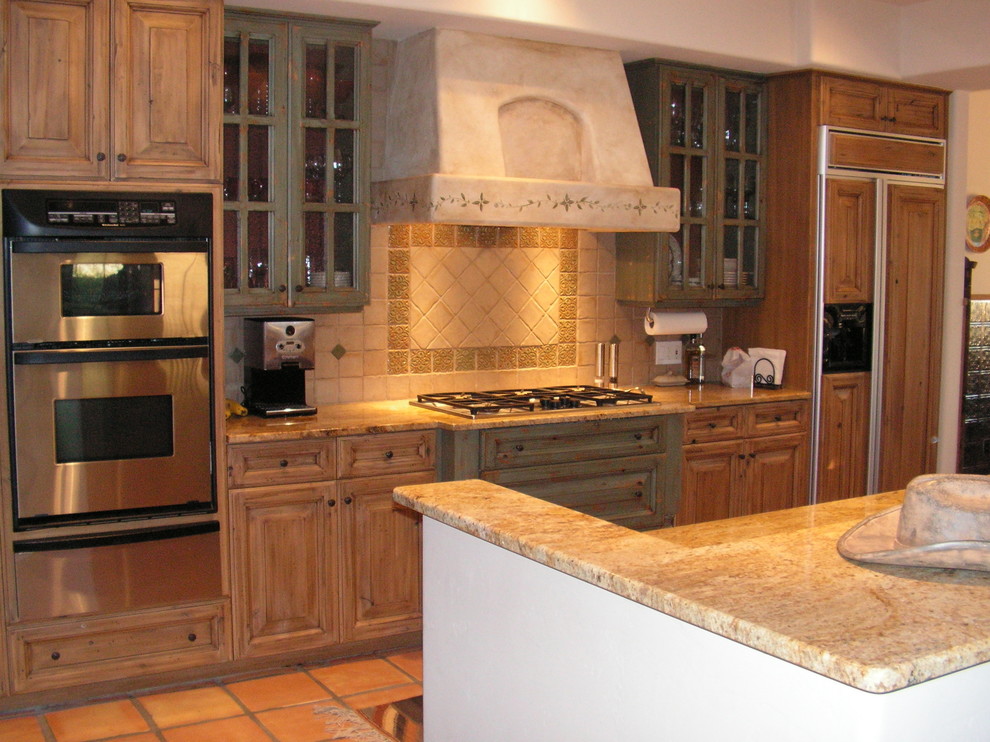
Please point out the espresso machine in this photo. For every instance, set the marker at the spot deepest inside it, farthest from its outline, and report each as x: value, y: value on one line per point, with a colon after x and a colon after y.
x: 278, y: 351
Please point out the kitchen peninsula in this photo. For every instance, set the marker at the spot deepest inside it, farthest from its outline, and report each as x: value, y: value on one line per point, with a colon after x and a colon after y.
x: 542, y: 623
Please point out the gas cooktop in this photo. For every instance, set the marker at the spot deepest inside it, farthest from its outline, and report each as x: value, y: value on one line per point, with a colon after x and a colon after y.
x: 542, y: 399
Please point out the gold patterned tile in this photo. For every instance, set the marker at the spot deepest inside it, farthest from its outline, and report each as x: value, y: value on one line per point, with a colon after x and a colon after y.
x: 420, y: 362
x: 398, y: 261
x: 398, y: 362
x: 507, y: 357
x: 487, y: 359
x: 398, y: 235
x: 443, y: 360
x: 528, y: 357
x: 568, y: 284
x: 488, y: 236
x: 549, y: 238
x: 568, y: 261
x: 567, y: 308
x: 568, y: 331
x: 529, y: 237
x: 444, y: 235
x: 465, y: 359
x: 548, y: 356
x: 568, y: 239
x: 422, y: 235
x: 398, y: 312
x: 398, y: 286
x: 567, y: 354
x: 466, y: 236
x: 508, y: 237
x: 398, y: 337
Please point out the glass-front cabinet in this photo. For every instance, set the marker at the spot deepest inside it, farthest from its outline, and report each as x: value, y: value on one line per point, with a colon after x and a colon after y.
x: 296, y: 139
x: 705, y: 134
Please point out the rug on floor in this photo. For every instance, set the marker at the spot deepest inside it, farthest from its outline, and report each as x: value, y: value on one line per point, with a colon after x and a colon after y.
x: 402, y: 719
x: 344, y: 724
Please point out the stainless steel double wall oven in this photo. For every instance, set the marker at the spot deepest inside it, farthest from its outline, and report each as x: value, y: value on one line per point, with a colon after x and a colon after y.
x: 109, y: 383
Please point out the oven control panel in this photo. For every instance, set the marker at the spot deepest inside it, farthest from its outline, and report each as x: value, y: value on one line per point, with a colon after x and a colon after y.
x: 111, y: 213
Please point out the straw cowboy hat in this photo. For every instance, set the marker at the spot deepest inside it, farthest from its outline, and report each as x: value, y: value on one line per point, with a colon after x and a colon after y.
x: 944, y: 522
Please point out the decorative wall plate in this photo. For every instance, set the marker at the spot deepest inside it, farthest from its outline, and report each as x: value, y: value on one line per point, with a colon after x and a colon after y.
x: 978, y: 223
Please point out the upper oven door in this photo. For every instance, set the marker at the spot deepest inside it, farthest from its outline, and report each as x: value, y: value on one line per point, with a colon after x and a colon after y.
x: 98, y: 296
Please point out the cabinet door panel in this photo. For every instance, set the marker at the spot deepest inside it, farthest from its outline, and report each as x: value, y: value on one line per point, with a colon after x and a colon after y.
x: 858, y: 104
x: 382, y: 558
x: 56, y: 60
x: 844, y: 436
x: 912, y: 334
x: 167, y: 70
x: 917, y: 112
x: 776, y: 473
x: 710, y: 480
x: 282, y: 541
x: 850, y: 239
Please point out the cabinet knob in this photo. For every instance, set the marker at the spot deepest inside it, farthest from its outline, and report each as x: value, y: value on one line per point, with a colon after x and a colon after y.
x: 742, y: 456
x: 101, y: 156
x: 777, y: 418
x: 638, y: 436
x: 281, y: 289
x: 121, y: 157
x: 638, y: 493
x: 331, y: 502
x: 712, y: 425
x: 752, y: 455
x: 520, y: 447
x: 389, y: 454
x: 191, y: 637
x: 348, y: 500
x: 299, y: 288
x: 283, y: 463
x: 56, y: 656
x: 721, y: 287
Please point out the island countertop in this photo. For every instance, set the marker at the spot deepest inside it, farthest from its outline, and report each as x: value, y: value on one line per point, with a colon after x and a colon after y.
x: 774, y: 582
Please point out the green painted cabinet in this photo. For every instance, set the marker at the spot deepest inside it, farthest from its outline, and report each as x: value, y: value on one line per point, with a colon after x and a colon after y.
x: 626, y: 471
x: 705, y: 134
x: 296, y: 150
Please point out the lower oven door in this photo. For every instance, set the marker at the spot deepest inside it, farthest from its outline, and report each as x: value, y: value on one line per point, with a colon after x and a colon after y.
x: 117, y: 571
x: 104, y: 434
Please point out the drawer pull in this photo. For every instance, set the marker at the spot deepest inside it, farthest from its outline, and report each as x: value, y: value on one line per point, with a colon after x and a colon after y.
x: 389, y: 454
x: 752, y: 455
x: 283, y: 463
x: 56, y: 656
x: 191, y: 637
x: 777, y: 418
x: 742, y: 456
x: 712, y: 425
x: 348, y: 500
x: 331, y: 503
x: 638, y: 493
x: 638, y: 436
x: 520, y: 447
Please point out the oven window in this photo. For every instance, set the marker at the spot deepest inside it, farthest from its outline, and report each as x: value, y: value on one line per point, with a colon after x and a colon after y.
x: 111, y: 289
x: 110, y: 428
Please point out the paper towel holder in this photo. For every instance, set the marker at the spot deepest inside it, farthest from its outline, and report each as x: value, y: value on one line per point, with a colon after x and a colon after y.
x: 674, y: 323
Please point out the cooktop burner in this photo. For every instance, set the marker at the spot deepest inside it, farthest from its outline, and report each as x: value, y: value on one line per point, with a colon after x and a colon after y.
x: 507, y: 401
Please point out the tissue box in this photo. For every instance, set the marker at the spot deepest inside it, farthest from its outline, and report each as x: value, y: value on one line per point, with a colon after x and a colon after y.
x: 768, y: 367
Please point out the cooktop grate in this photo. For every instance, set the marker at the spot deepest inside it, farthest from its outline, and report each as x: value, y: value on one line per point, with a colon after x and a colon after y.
x: 540, y: 399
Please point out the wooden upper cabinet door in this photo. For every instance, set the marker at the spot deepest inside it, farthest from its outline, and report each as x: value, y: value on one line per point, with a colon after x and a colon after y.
x: 917, y: 112
x: 857, y: 104
x: 850, y: 238
x: 167, y: 89
x: 55, y: 74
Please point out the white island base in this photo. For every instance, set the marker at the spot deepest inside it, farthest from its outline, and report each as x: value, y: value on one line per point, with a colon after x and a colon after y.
x: 515, y: 651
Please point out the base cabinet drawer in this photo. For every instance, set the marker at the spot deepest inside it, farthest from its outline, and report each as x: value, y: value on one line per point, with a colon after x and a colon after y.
x: 62, y: 654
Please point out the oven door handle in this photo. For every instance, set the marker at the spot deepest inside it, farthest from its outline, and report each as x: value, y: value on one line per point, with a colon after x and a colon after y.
x: 87, y: 541
x: 108, y: 355
x: 109, y: 245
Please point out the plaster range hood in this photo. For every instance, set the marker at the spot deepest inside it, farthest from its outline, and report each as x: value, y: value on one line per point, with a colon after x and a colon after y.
x: 491, y: 131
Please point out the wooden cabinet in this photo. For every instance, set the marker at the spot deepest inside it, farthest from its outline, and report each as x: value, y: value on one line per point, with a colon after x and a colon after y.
x: 844, y: 437
x: 296, y: 151
x: 625, y: 471
x: 705, y: 134
x: 850, y: 240
x: 321, y: 554
x: 880, y: 106
x: 62, y: 653
x: 111, y: 89
x: 743, y: 459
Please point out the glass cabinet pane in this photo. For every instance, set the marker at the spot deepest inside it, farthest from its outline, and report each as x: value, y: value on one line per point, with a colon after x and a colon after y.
x: 231, y: 74
x: 696, y: 206
x: 315, y: 170
x: 231, y: 162
x: 750, y: 190
x: 259, y: 250
x: 231, y: 250
x: 258, y: 163
x: 730, y: 258
x: 315, y: 99
x: 753, y: 122
x: 698, y: 118
x: 343, y: 166
x: 314, y: 243
x: 259, y: 76
x: 678, y: 104
x: 343, y: 249
x: 733, y: 120
x: 344, y: 77
x: 731, y: 196
x: 750, y: 258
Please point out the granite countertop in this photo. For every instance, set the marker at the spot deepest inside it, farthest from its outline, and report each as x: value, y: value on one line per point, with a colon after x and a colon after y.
x: 393, y: 416
x: 774, y: 582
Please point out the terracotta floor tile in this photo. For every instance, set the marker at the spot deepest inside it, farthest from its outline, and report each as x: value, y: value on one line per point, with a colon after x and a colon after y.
x: 358, y: 677
x: 387, y: 695
x: 237, y: 729
x: 411, y: 662
x: 149, y: 737
x: 96, y: 722
x: 299, y: 723
x: 21, y: 729
x: 278, y: 690
x: 190, y: 706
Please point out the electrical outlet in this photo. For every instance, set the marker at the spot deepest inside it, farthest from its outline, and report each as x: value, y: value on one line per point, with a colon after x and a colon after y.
x: 667, y: 352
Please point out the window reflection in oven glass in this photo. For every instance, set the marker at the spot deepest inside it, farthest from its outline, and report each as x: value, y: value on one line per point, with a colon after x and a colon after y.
x: 111, y: 289
x: 111, y: 428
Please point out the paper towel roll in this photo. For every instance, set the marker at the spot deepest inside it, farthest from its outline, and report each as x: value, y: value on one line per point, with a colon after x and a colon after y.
x: 674, y: 323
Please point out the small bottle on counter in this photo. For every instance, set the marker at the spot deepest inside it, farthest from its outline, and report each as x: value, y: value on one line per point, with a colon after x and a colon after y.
x: 694, y: 360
